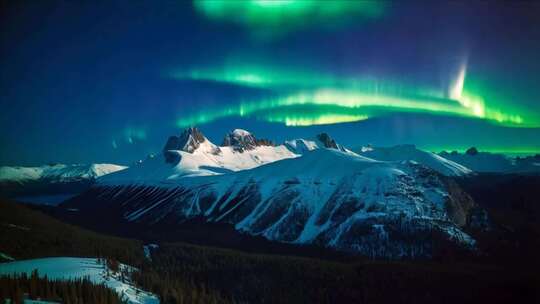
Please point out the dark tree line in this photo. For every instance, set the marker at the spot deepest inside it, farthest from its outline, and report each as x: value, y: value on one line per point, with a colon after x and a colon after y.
x: 181, y: 273
x: 17, y: 288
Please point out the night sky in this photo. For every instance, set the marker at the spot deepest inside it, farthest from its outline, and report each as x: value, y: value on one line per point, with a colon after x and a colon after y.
x: 110, y: 81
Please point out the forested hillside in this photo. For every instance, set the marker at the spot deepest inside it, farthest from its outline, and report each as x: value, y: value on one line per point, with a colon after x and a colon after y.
x: 26, y: 234
x: 184, y: 273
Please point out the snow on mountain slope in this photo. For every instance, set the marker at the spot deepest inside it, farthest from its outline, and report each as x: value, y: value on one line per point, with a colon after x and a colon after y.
x: 301, y: 146
x: 67, y: 268
x: 325, y: 197
x: 321, y: 141
x: 58, y: 173
x: 192, y: 154
x: 410, y: 152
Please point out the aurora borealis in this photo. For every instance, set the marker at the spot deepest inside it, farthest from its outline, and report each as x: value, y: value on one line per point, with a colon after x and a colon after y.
x: 110, y: 82
x: 354, y: 99
x: 268, y: 18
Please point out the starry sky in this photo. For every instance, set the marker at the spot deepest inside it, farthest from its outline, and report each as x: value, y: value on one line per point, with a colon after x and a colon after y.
x: 109, y: 81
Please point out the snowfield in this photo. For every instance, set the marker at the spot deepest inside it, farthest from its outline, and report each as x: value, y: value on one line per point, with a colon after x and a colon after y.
x: 57, y: 173
x: 199, y: 163
x: 301, y: 146
x: 203, y: 160
x: 410, y: 152
x: 67, y: 268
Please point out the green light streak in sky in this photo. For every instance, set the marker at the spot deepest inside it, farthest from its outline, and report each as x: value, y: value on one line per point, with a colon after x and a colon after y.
x: 308, y: 115
x: 254, y: 76
x: 462, y: 92
x: 275, y: 17
x: 277, y: 79
x: 302, y: 120
x: 338, y: 106
x: 354, y: 94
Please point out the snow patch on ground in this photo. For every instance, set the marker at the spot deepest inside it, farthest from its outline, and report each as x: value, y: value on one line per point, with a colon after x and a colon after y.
x: 67, y: 268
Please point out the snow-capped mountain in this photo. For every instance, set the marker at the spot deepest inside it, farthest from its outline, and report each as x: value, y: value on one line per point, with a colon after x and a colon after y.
x: 327, y: 196
x: 411, y: 153
x: 56, y: 173
x: 192, y: 154
x: 323, y: 140
x: 50, y: 184
x: 493, y: 162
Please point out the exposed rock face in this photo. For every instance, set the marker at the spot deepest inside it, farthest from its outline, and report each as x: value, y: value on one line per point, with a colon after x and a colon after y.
x: 459, y: 203
x: 241, y: 140
x: 171, y: 157
x: 189, y: 141
x: 264, y: 142
x: 479, y: 219
x: 327, y: 141
x: 472, y: 151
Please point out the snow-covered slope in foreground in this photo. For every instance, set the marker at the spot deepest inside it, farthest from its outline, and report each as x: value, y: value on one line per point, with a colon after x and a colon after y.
x: 56, y: 173
x: 325, y: 197
x: 67, y: 268
x: 410, y: 152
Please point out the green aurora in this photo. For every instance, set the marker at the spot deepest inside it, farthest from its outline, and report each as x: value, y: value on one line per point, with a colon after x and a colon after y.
x: 347, y: 99
x: 270, y: 18
x: 307, y: 97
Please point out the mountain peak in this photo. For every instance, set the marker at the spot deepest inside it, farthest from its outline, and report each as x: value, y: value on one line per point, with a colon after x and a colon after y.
x: 241, y: 132
x: 241, y: 140
x: 327, y: 141
x: 189, y: 141
x: 321, y: 141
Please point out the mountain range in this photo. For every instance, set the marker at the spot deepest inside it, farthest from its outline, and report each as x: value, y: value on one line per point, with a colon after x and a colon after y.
x: 55, y: 181
x: 390, y: 202
x: 305, y: 191
x: 56, y: 172
x: 485, y: 162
